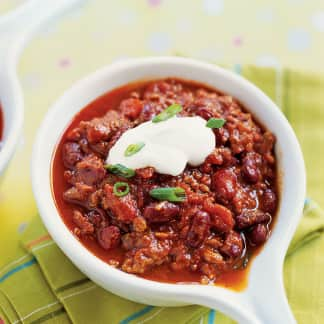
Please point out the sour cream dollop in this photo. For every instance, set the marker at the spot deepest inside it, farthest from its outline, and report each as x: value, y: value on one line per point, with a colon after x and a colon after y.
x: 169, y: 145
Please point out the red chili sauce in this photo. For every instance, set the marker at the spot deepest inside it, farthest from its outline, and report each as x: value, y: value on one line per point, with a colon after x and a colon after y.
x: 231, y: 199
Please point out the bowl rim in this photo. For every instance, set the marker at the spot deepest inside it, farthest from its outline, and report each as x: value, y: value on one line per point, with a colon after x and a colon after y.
x: 125, y: 284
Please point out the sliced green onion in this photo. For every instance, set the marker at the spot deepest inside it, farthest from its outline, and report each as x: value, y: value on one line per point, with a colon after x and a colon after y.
x: 134, y: 148
x: 215, y: 122
x: 120, y: 170
x: 167, y: 113
x: 175, y: 194
x: 121, y: 189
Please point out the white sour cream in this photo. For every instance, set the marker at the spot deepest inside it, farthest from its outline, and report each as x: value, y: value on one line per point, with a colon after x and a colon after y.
x: 169, y: 145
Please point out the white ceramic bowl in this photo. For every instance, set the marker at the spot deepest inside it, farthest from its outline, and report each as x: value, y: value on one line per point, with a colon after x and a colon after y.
x: 11, y: 98
x: 263, y: 301
x: 13, y: 114
x: 16, y: 28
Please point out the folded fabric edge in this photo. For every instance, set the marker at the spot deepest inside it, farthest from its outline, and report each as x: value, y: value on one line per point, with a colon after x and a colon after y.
x: 7, y: 310
x: 310, y: 227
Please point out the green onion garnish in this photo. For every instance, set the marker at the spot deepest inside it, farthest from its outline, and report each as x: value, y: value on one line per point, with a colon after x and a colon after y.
x: 215, y: 122
x: 120, y: 170
x: 167, y: 113
x: 134, y: 148
x: 121, y: 189
x: 175, y: 194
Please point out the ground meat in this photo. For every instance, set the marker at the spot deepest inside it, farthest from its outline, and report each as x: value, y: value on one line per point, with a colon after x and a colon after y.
x: 213, y: 257
x: 83, y: 223
x: 116, y: 136
x: 221, y: 218
x: 221, y: 156
x: 123, y: 208
x: 136, y: 240
x: 131, y: 108
x: 180, y: 257
x: 141, y: 260
x: 145, y: 173
x: 101, y: 148
x: 101, y: 129
x: 231, y: 198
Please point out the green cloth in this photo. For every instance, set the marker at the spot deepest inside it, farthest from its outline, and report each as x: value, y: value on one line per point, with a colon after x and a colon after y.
x: 41, y: 285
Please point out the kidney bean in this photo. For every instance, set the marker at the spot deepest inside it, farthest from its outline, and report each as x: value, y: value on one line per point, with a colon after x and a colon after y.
x: 71, y: 154
x: 249, y: 218
x: 259, y: 234
x: 225, y: 184
x: 250, y: 167
x: 233, y: 245
x: 108, y: 237
x: 160, y: 212
x: 199, y: 229
x: 204, y: 113
x: 269, y: 201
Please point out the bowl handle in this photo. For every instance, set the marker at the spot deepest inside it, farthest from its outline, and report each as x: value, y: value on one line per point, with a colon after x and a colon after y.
x: 269, y: 302
x: 266, y: 305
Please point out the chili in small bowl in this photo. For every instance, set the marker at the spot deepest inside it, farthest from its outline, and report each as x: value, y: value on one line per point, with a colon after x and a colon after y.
x: 158, y: 235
